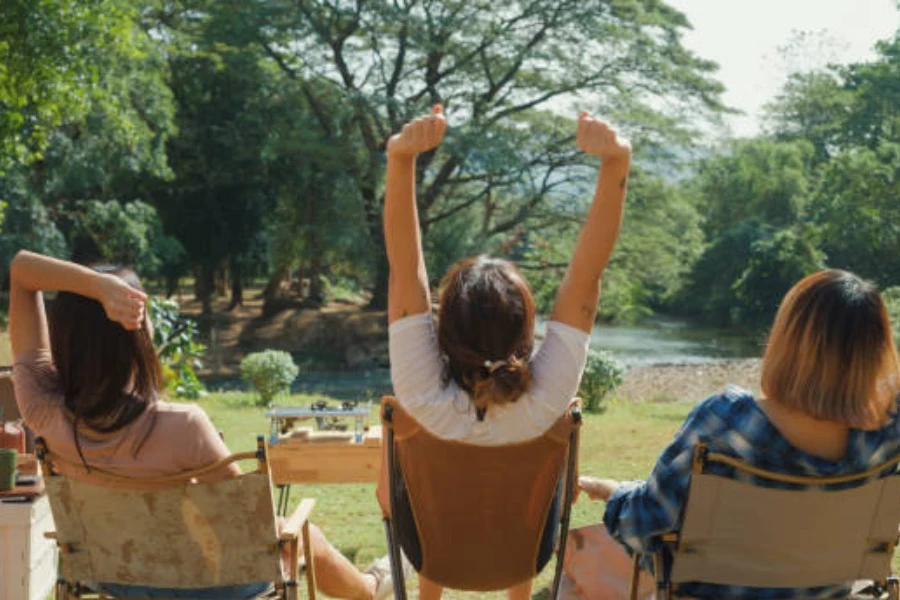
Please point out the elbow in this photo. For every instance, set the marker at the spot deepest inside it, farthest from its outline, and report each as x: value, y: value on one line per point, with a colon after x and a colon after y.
x: 15, y: 267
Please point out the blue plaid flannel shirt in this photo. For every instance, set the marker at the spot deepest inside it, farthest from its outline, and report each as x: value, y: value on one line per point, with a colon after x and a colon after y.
x: 639, y: 512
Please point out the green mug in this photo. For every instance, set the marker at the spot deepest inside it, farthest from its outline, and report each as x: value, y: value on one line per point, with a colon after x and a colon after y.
x: 8, y: 461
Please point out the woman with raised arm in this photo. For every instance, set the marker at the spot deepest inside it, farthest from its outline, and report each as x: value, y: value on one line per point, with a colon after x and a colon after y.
x: 88, y: 381
x: 476, y: 378
x: 829, y: 406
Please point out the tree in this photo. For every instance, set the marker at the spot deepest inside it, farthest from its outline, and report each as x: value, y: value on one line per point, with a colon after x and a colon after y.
x: 61, y: 60
x: 757, y: 179
x: 215, y: 202
x: 842, y: 107
x: 875, y: 85
x: 754, y: 199
x: 130, y: 234
x: 775, y: 264
x: 495, y: 69
x: 812, y: 107
x: 857, y: 212
x: 660, y: 241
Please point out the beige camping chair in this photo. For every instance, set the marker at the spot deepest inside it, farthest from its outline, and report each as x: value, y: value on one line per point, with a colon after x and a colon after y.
x: 737, y: 533
x: 172, y: 532
x: 473, y: 517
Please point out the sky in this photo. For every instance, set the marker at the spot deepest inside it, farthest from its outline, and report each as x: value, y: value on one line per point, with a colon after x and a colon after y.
x: 746, y: 38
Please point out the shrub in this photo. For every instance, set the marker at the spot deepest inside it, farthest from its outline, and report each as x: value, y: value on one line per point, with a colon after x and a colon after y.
x: 602, y: 374
x: 892, y: 299
x: 175, y: 339
x: 269, y: 373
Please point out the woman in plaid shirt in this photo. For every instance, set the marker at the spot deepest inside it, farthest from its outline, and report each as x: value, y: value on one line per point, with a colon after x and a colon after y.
x: 830, y: 383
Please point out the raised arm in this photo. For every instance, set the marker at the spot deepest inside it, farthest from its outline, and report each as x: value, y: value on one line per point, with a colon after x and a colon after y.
x: 408, y: 285
x: 31, y: 274
x: 576, y: 301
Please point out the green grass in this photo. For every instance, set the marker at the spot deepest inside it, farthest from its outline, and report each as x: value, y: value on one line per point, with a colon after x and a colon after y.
x: 5, y: 350
x: 622, y: 443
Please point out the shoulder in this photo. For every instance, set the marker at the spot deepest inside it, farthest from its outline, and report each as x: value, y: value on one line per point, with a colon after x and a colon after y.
x: 181, y: 416
x: 567, y: 333
x: 731, y: 409
x: 563, y: 348
x: 415, y: 323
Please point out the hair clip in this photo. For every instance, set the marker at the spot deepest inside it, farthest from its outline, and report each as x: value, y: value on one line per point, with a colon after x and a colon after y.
x: 492, y: 366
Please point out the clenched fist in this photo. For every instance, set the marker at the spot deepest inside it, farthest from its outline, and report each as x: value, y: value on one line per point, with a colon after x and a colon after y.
x: 598, y: 138
x: 123, y: 304
x: 420, y: 135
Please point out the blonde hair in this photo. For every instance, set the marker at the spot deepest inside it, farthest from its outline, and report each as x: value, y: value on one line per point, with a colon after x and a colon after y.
x: 831, y: 354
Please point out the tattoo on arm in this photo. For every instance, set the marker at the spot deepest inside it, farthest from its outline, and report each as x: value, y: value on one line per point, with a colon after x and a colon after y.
x: 588, y: 311
x: 623, y: 183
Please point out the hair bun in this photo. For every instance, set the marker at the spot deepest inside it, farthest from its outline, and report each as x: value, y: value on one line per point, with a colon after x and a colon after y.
x: 504, y: 381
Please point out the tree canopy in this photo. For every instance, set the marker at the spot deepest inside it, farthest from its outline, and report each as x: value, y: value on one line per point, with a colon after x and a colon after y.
x: 227, y: 140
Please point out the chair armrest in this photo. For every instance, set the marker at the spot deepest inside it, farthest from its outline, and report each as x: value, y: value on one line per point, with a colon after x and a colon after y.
x: 291, y: 529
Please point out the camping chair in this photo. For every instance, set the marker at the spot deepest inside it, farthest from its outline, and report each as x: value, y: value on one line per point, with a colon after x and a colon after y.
x: 737, y: 533
x: 473, y: 517
x: 172, y: 532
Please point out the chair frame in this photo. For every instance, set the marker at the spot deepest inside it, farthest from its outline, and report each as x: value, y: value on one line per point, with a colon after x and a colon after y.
x: 570, y: 467
x: 665, y: 589
x: 294, y: 530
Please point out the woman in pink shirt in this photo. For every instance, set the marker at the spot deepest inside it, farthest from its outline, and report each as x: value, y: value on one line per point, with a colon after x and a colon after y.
x: 89, y: 382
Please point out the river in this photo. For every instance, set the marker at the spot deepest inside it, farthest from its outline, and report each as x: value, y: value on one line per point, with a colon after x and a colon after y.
x: 669, y: 341
x: 657, y: 341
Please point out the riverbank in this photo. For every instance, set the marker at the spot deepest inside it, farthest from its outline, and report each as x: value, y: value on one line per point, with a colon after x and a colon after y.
x: 691, y: 382
x: 342, y: 351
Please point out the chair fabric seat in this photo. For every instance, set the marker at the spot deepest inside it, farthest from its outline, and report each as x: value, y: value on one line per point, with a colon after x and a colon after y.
x: 475, y: 517
x: 809, y: 538
x: 186, y: 536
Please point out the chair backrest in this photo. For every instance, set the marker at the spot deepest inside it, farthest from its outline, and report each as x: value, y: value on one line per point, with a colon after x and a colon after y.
x: 737, y: 533
x: 177, y: 535
x: 478, y: 513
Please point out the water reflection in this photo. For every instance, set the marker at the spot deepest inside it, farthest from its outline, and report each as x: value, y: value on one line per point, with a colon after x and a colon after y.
x: 669, y: 341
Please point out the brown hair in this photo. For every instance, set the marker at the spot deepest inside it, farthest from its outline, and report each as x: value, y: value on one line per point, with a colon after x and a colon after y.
x: 107, y: 374
x: 831, y: 353
x: 486, y: 330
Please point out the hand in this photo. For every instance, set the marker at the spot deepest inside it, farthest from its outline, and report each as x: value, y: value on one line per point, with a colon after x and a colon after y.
x: 420, y: 135
x: 598, y: 138
x: 123, y: 304
x: 597, y: 489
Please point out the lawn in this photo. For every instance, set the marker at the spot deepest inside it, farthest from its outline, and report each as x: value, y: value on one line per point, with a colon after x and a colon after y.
x: 621, y: 443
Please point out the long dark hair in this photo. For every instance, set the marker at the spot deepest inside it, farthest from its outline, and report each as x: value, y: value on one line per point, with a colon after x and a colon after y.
x: 107, y: 374
x: 486, y: 330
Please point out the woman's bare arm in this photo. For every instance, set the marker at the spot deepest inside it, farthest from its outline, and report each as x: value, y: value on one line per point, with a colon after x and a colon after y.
x: 31, y: 274
x: 408, y: 286
x: 576, y: 301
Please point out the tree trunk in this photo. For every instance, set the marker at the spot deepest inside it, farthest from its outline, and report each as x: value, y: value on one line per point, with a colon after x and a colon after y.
x: 206, y: 287
x: 316, y: 295
x: 376, y: 232
x: 380, y: 290
x: 301, y: 279
x: 221, y: 280
x: 171, y: 285
x: 273, y: 296
x: 237, y: 285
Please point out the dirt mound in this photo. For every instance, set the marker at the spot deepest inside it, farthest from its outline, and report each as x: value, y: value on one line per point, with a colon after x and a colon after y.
x: 335, y: 337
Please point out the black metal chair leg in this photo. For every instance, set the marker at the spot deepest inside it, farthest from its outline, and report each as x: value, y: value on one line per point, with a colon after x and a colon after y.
x: 390, y: 525
x: 569, y: 488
